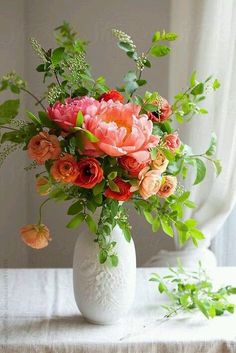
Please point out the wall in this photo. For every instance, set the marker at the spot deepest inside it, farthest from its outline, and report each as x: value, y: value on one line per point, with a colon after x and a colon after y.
x: 94, y: 20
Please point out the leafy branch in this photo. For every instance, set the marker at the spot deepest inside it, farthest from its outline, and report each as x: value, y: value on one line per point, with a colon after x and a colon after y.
x: 189, y: 291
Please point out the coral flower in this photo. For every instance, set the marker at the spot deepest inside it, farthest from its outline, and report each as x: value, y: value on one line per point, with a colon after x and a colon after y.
x: 65, y: 169
x: 121, y: 131
x: 65, y: 114
x: 124, y: 192
x: 168, y: 186
x: 132, y: 166
x: 113, y: 95
x: 90, y: 173
x: 172, y: 141
x: 42, y: 186
x: 36, y: 236
x: 43, y: 147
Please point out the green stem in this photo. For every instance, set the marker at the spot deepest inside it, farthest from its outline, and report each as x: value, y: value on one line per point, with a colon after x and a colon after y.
x: 40, y: 210
x: 36, y: 98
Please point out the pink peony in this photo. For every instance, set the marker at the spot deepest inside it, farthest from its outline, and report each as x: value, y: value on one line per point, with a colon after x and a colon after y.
x: 120, y: 131
x: 65, y: 114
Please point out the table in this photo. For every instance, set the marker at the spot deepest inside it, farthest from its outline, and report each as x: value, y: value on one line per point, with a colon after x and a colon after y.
x: 38, y: 314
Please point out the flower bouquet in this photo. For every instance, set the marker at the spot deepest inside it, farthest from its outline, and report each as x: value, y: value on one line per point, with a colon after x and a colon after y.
x: 104, y: 148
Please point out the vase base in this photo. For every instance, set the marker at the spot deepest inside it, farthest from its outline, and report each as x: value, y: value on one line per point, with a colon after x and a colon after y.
x: 102, y: 323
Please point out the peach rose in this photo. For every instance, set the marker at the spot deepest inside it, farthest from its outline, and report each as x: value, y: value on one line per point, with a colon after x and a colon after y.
x: 149, y: 183
x: 42, y: 186
x: 172, y: 141
x: 160, y: 163
x: 65, y: 169
x: 36, y: 236
x: 43, y: 146
x: 168, y: 186
x: 132, y: 166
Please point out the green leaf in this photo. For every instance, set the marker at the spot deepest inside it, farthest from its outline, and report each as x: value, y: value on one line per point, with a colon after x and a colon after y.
x: 201, y: 171
x: 75, y: 208
x: 57, y: 55
x: 33, y: 118
x: 212, y: 148
x: 202, y: 308
x: 184, y: 196
x: 148, y: 216
x: 193, y: 79
x: 91, y: 136
x: 102, y: 256
x: 199, y: 89
x: 216, y: 84
x: 166, y: 226
x: 159, y: 50
x: 190, y: 204
x: 113, y: 186
x: 197, y: 234
x: 99, y: 188
x: 130, y: 76
x: 112, y: 175
x: 156, y: 36
x: 76, y: 221
x: 8, y: 111
x: 114, y: 260
x: 125, y: 46
x: 218, y: 167
x: 155, y: 224
x: 170, y: 36
x: 147, y: 63
x: 79, y: 119
x: 46, y: 121
x: 191, y: 223
x: 92, y: 225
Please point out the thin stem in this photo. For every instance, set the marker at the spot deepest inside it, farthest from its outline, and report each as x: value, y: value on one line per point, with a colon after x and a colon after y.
x: 8, y: 128
x: 36, y: 98
x: 57, y: 78
x: 40, y: 210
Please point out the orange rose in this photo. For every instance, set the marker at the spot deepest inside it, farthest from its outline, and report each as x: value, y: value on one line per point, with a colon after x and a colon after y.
x: 160, y: 163
x: 90, y: 173
x: 124, y: 192
x: 65, y: 169
x: 43, y: 147
x: 132, y: 166
x: 42, y: 186
x: 168, y: 186
x: 36, y: 236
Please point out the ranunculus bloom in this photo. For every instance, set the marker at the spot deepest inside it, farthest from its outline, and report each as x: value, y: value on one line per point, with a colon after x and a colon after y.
x: 90, y: 173
x: 120, y: 131
x: 112, y: 94
x: 36, y: 236
x: 124, y: 192
x: 65, y: 169
x: 149, y: 182
x: 65, y: 114
x: 163, y: 112
x: 43, y: 147
x: 132, y: 166
x: 168, y: 186
x: 160, y: 163
x: 42, y: 186
x: 172, y: 141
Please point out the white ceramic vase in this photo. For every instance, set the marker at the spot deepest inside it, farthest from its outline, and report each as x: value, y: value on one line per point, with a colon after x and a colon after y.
x: 104, y: 294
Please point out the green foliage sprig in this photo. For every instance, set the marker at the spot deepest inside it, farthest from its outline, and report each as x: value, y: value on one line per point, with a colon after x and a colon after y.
x: 190, y: 291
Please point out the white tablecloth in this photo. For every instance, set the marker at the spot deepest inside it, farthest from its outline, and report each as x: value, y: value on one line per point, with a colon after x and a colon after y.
x: 38, y: 314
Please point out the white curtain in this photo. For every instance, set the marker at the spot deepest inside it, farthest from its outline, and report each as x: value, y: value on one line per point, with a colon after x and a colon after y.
x: 207, y: 30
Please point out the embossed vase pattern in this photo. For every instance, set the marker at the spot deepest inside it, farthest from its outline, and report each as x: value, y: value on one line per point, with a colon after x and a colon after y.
x: 104, y: 294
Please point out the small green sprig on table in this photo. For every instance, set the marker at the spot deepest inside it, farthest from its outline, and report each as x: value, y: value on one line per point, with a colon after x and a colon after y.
x: 190, y: 291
